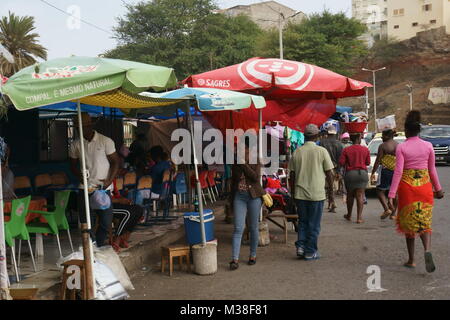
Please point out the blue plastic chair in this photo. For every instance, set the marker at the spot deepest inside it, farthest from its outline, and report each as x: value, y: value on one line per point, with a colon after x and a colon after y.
x: 181, y: 187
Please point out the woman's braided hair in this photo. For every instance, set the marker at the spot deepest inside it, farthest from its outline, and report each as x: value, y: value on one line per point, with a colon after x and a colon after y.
x: 412, y: 123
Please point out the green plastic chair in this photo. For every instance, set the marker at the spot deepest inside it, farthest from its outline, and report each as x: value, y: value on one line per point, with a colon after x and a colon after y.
x: 56, y: 219
x: 16, y: 228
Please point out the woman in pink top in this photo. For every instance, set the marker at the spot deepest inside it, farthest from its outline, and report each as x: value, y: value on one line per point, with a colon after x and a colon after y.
x: 414, y: 178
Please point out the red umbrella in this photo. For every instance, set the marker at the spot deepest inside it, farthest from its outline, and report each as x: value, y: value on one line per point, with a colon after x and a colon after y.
x: 296, y: 93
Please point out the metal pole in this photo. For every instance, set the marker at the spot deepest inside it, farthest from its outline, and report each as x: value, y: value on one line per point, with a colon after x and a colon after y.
x: 88, y: 250
x: 410, y: 101
x: 410, y: 93
x: 367, y: 105
x: 374, y: 93
x: 375, y: 100
x: 4, y: 280
x: 197, y: 181
x: 260, y: 153
x: 280, y: 26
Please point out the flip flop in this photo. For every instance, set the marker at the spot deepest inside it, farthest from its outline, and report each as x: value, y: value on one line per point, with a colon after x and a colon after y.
x: 429, y: 264
x: 346, y: 217
x: 410, y: 266
x: 385, y: 214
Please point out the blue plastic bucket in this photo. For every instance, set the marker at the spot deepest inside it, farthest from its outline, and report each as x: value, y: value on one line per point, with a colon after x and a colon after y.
x: 192, y: 226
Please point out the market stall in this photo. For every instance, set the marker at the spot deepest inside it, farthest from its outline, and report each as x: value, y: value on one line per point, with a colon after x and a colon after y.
x: 113, y: 83
x: 95, y: 81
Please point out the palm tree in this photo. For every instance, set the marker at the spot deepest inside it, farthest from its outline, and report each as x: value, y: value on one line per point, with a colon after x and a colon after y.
x: 16, y: 35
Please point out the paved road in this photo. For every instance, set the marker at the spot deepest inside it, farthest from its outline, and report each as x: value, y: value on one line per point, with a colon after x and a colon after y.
x: 347, y: 250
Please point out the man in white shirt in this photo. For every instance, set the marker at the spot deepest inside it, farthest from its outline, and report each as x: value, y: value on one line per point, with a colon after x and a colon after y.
x: 102, y: 163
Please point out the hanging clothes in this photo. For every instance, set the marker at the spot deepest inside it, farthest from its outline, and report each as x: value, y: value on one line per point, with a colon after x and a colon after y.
x: 297, y: 139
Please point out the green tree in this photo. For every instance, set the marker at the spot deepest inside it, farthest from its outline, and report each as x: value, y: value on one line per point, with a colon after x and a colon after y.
x: 327, y: 40
x: 17, y: 36
x: 184, y: 34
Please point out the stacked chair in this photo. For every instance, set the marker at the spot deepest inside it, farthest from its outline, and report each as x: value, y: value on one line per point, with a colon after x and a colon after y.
x: 16, y: 228
x: 56, y: 219
x: 22, y: 186
x: 164, y: 202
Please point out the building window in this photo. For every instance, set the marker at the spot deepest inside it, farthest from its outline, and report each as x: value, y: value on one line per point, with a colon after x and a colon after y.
x: 399, y: 12
x: 397, y: 27
x: 427, y: 7
x: 415, y: 24
x: 433, y: 21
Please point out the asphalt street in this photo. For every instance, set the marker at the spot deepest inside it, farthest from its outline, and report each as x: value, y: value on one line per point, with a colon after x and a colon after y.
x: 347, y: 250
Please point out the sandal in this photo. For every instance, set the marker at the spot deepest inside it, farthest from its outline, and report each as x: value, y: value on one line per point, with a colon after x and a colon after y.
x: 409, y: 265
x: 234, y: 265
x: 347, y: 217
x: 124, y: 243
x: 333, y: 208
x: 252, y: 261
x: 116, y: 247
x: 386, y: 214
x: 429, y: 264
x: 359, y: 221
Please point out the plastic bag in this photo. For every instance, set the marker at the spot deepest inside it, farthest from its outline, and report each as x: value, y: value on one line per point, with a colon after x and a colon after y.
x: 108, y: 287
x: 108, y: 256
x: 100, y: 200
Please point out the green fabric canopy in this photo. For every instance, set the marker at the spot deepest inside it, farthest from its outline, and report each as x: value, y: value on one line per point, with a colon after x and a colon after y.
x: 74, y: 78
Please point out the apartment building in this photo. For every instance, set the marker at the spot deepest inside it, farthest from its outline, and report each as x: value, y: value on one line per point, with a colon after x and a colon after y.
x: 407, y: 17
x: 267, y: 14
x: 373, y: 13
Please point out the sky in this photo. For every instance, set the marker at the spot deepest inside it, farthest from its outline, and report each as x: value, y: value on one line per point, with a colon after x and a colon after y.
x: 64, y: 36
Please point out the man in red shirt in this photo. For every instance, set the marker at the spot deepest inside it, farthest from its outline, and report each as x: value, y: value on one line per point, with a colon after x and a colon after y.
x: 355, y: 160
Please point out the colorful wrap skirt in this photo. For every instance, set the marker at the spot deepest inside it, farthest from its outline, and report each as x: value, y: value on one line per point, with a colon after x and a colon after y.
x: 415, y: 203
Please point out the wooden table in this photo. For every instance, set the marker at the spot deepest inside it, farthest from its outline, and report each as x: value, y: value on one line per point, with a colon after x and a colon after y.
x: 36, y: 203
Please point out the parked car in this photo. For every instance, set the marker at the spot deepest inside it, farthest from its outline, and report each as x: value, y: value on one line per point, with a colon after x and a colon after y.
x: 369, y: 136
x: 439, y: 136
x: 373, y: 148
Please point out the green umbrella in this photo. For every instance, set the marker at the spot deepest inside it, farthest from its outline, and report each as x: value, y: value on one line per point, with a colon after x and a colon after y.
x: 74, y: 78
x: 98, y: 81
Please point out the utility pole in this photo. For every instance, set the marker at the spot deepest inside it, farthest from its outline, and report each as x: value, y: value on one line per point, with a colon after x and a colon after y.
x: 280, y: 27
x: 374, y: 93
x: 367, y: 104
x: 410, y: 93
x: 281, y: 20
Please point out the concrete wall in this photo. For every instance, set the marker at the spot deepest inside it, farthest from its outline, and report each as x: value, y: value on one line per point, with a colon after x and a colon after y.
x: 400, y: 26
x: 369, y: 11
x: 265, y: 14
x: 374, y: 14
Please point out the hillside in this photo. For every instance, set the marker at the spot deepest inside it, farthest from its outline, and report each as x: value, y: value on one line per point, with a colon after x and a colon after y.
x: 425, y: 63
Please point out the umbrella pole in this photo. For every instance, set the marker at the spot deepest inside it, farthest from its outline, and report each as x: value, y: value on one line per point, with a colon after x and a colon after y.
x: 260, y: 154
x: 197, y: 183
x: 188, y: 168
x: 4, y: 283
x: 88, y: 251
x: 185, y: 169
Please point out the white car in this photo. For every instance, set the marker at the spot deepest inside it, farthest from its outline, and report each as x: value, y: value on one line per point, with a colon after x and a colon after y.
x: 373, y: 148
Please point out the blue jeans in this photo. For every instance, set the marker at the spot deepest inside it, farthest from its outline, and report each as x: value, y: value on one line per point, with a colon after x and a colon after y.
x: 104, y: 223
x: 242, y: 204
x: 309, y: 216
